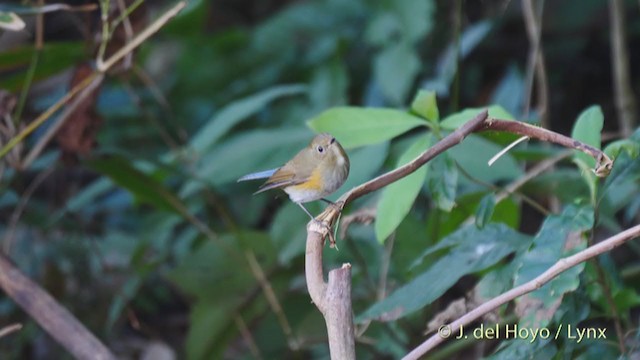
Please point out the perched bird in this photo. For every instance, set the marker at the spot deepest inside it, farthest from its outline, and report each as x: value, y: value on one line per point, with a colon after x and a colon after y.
x: 315, y: 172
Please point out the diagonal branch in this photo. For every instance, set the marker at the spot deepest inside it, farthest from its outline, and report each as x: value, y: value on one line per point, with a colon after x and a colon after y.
x: 51, y: 316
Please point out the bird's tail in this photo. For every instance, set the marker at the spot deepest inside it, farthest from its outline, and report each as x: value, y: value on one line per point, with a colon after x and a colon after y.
x: 258, y: 175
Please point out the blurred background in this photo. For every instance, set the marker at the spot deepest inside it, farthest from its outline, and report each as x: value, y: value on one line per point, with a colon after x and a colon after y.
x: 129, y: 213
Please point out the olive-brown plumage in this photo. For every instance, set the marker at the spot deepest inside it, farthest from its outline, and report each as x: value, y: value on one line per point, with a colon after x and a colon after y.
x: 315, y: 172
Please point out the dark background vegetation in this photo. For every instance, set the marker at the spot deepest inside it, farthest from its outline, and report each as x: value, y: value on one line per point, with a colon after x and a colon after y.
x: 94, y: 219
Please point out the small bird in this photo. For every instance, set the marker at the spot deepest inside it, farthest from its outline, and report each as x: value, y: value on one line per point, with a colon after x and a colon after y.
x: 315, y: 172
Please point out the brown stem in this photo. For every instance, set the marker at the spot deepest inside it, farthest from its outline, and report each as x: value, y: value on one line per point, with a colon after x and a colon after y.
x: 447, y: 142
x: 332, y: 299
x: 536, y: 62
x: 559, y: 267
x: 53, y: 318
x: 625, y: 99
x: 603, y: 162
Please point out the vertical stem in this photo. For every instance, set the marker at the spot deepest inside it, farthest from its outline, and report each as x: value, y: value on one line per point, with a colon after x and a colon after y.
x: 625, y: 102
x: 339, y: 317
x: 332, y: 299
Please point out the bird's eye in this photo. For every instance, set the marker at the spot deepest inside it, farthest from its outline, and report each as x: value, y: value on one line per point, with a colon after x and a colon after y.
x: 332, y: 140
x: 320, y: 149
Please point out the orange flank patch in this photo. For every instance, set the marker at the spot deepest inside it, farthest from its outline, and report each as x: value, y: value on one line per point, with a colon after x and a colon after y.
x: 313, y: 183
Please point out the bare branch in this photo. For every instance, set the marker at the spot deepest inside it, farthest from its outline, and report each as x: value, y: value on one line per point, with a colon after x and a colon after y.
x: 447, y: 142
x: 53, y: 318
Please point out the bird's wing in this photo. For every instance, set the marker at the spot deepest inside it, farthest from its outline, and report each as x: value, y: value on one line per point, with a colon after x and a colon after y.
x: 282, y: 178
x: 258, y: 175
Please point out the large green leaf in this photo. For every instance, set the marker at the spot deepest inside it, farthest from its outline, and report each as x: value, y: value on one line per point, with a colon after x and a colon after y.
x: 354, y: 126
x: 472, y: 250
x: 425, y: 104
x: 548, y: 244
x: 587, y: 129
x: 237, y: 111
x: 398, y: 198
x: 144, y: 188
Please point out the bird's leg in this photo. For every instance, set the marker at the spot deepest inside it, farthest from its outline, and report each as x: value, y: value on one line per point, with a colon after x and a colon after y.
x: 328, y: 201
x: 332, y: 240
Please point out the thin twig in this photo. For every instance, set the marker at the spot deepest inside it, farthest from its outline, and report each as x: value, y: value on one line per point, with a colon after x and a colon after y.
x: 530, y: 174
x: 136, y: 41
x: 9, y: 236
x: 46, y: 115
x: 603, y: 162
x: 43, y: 9
x: 128, y: 30
x: 536, y: 65
x: 62, y: 119
x: 272, y: 299
x: 10, y: 329
x: 248, y: 338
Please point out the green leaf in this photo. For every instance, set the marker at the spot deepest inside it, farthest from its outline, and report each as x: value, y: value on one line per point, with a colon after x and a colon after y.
x: 560, y: 236
x: 425, y: 105
x: 485, y: 210
x: 395, y: 69
x: 143, y: 187
x: 443, y: 181
x: 548, y: 244
x: 587, y: 129
x: 473, y: 250
x: 632, y: 148
x: 398, y: 198
x: 237, y: 111
x: 54, y: 57
x: 454, y: 121
x: 354, y: 126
